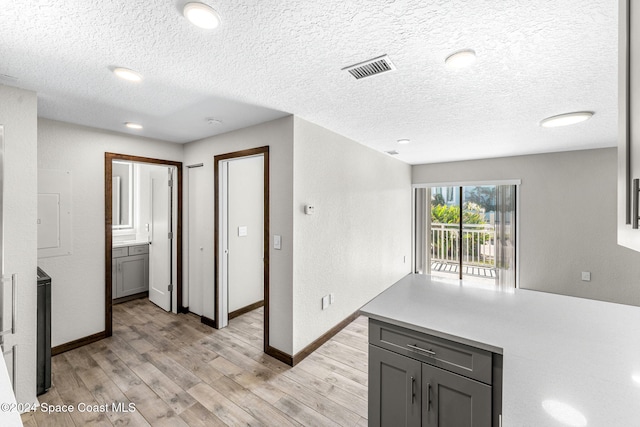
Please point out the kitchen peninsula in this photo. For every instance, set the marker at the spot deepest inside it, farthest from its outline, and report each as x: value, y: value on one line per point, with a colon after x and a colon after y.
x: 577, y: 359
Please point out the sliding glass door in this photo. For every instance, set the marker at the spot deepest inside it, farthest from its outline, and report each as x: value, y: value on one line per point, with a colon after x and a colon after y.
x: 467, y: 233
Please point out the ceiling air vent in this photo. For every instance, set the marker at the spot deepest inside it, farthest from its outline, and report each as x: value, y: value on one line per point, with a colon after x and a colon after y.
x: 392, y: 153
x: 371, y: 67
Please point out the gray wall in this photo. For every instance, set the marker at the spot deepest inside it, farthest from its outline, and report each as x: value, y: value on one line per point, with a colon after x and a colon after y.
x: 567, y: 220
x: 355, y: 243
x: 278, y: 135
x: 78, y: 279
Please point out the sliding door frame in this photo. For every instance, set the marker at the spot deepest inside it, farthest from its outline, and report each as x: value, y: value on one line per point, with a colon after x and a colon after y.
x: 461, y: 184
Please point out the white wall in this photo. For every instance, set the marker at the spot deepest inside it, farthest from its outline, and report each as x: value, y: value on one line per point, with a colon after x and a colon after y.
x: 354, y: 244
x: 278, y: 135
x: 567, y: 215
x: 78, y: 279
x: 18, y: 114
x: 245, y: 209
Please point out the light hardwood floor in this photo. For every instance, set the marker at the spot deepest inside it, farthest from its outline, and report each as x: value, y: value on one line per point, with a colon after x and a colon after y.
x: 179, y: 372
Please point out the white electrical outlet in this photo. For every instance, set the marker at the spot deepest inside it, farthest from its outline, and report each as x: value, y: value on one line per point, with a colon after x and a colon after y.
x: 331, y: 298
x: 586, y: 276
x: 325, y: 302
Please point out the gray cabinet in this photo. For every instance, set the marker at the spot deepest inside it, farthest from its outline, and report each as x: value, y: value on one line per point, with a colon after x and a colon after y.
x: 130, y: 270
x: 452, y: 400
x: 394, y: 389
x: 628, y: 123
x: 417, y: 379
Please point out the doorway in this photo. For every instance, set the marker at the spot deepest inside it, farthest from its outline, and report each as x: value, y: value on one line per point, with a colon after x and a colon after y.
x: 241, y: 241
x: 467, y: 232
x: 162, y: 249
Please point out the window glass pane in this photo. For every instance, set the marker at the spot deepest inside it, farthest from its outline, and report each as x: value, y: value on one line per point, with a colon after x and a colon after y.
x: 468, y: 233
x: 478, y: 233
x: 444, y: 233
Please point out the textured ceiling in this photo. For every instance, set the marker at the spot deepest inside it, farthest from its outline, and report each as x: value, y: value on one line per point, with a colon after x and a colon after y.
x: 269, y: 58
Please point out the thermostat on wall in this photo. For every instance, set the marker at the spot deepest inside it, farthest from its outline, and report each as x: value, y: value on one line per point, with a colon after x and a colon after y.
x: 309, y: 209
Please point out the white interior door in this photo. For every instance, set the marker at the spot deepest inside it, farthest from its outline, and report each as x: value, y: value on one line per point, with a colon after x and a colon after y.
x: 241, y: 245
x: 245, y: 232
x: 199, y: 237
x: 160, y: 256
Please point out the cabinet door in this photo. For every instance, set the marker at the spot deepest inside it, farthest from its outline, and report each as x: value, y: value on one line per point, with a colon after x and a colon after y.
x: 133, y: 272
x: 451, y: 400
x: 394, y: 389
x: 628, y: 119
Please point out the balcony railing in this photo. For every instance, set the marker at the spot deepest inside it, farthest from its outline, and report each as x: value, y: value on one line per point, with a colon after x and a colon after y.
x: 478, y: 244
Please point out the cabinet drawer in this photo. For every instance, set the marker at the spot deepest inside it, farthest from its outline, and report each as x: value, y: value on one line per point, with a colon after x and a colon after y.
x: 119, y: 252
x: 137, y: 250
x: 455, y: 357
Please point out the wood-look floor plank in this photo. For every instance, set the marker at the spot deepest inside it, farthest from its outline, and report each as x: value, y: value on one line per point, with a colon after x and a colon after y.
x: 172, y: 369
x: 316, y: 401
x: 340, y: 368
x: 116, y: 370
x: 60, y: 419
x: 199, y: 416
x: 174, y: 396
x: 363, y: 422
x: 221, y: 407
x: 340, y: 396
x: 154, y: 410
x: 104, y: 391
x: 321, y: 371
x: 81, y: 395
x: 252, y: 404
x: 351, y: 339
x: 178, y: 371
x: 28, y: 419
x: 303, y: 414
x: 347, y: 355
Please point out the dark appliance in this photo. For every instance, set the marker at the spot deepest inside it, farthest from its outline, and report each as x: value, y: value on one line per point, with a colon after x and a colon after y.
x: 44, y: 333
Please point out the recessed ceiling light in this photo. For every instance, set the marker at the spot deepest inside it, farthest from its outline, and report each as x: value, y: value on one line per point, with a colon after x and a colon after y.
x: 566, y: 119
x: 132, y: 125
x: 564, y: 413
x: 404, y: 141
x: 201, y: 15
x: 636, y: 378
x: 460, y: 59
x: 127, y: 74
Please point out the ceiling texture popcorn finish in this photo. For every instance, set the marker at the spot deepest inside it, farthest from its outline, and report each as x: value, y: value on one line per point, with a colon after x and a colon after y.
x: 270, y: 58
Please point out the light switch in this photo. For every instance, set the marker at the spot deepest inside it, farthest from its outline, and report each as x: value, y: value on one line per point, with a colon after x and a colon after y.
x: 325, y: 302
x: 242, y: 231
x: 586, y: 276
x: 277, y: 242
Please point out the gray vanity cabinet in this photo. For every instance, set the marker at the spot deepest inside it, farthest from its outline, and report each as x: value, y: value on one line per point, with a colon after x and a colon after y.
x: 421, y: 380
x: 130, y: 270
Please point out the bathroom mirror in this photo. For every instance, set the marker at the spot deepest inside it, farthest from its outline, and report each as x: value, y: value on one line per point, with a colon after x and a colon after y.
x: 122, y: 182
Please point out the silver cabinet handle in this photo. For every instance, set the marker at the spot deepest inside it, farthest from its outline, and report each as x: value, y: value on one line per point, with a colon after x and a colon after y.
x: 634, y: 215
x: 422, y: 350
x: 413, y: 390
x: 14, y: 305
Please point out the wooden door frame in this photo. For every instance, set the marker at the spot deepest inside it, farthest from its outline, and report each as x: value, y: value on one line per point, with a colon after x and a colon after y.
x: 216, y: 160
x: 108, y: 232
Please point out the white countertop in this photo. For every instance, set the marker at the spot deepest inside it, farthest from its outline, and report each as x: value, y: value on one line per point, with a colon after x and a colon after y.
x: 579, y: 352
x: 129, y: 243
